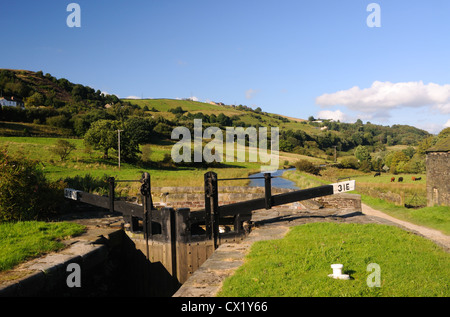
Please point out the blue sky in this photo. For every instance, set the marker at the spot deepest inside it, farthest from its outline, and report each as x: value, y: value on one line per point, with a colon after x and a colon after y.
x: 291, y: 57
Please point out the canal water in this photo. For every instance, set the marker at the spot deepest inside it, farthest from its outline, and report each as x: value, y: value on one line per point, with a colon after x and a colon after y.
x: 278, y: 182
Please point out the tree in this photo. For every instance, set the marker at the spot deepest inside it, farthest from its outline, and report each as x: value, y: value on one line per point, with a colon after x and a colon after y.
x: 141, y: 129
x: 398, y: 161
x: 35, y: 99
x: 63, y: 149
x: 102, y: 135
x: 362, y: 153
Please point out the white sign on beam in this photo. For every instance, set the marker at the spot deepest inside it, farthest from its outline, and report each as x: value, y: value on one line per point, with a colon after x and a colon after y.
x: 71, y: 193
x: 342, y: 187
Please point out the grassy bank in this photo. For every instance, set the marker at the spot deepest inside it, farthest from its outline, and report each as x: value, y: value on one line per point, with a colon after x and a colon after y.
x: 22, y: 241
x: 299, y: 264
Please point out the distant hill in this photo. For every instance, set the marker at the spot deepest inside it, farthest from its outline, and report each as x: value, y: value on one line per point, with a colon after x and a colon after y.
x: 59, y: 103
x: 37, y: 89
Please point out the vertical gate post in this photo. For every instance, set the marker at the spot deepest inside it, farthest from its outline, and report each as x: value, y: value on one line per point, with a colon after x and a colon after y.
x: 215, y: 208
x: 111, y: 193
x: 208, y: 226
x: 148, y: 206
x: 268, y: 189
x: 212, y: 207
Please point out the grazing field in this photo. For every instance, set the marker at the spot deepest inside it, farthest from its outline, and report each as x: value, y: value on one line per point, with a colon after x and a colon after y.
x: 298, y: 265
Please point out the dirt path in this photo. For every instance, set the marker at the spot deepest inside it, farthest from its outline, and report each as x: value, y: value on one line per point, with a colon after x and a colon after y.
x: 432, y: 234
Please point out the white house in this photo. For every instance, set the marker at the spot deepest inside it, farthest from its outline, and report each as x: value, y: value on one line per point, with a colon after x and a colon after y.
x: 11, y: 102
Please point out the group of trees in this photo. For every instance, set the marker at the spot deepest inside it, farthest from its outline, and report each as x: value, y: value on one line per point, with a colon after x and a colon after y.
x: 408, y: 160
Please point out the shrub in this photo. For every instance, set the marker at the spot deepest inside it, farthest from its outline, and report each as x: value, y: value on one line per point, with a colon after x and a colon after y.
x: 349, y: 162
x: 63, y: 148
x: 89, y: 183
x: 365, y: 166
x: 307, y: 166
x: 25, y: 192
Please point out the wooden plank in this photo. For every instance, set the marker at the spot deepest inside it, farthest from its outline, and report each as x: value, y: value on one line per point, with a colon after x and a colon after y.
x: 182, y: 256
x: 201, y: 254
x: 95, y: 200
x: 304, y: 194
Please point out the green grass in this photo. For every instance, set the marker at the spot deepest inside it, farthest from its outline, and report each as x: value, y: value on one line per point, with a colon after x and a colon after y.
x: 298, y: 265
x: 81, y: 163
x: 22, y: 241
x: 21, y: 129
x: 436, y: 217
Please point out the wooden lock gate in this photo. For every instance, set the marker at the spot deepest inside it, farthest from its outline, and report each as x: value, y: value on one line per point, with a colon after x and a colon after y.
x: 182, y: 239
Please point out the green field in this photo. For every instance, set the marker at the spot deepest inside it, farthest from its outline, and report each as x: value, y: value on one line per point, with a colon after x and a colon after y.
x: 22, y: 241
x: 81, y: 163
x: 298, y: 265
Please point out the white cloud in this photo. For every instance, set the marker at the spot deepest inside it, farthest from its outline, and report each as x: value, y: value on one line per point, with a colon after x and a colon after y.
x: 335, y: 115
x: 105, y: 93
x: 433, y: 128
x: 447, y: 124
x: 385, y: 96
x: 133, y: 97
x: 249, y: 94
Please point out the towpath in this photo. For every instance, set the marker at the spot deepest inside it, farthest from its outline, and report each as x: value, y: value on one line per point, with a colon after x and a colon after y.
x: 432, y: 234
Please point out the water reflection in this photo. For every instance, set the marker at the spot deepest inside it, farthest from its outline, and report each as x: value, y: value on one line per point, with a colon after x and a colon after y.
x: 278, y: 182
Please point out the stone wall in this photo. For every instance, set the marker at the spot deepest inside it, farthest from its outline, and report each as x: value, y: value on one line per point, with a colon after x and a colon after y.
x: 438, y: 178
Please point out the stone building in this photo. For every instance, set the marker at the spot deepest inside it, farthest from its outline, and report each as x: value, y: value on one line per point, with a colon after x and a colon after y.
x: 438, y: 173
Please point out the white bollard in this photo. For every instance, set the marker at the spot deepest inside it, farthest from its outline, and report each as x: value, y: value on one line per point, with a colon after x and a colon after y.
x: 337, y: 272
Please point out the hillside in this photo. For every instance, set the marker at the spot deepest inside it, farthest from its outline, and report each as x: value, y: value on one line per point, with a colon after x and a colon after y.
x: 37, y: 89
x: 71, y: 109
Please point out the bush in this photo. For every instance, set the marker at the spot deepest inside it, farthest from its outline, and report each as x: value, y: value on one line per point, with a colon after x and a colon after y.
x: 25, y: 192
x: 88, y: 183
x: 63, y: 148
x: 349, y: 162
x: 307, y: 166
x: 365, y: 166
